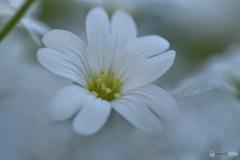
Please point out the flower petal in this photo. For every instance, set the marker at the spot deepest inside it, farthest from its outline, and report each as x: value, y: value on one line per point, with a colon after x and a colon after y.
x: 146, y: 46
x: 6, y: 9
x: 92, y: 117
x: 123, y: 27
x: 62, y: 65
x: 159, y: 101
x: 136, y: 112
x: 35, y: 29
x: 37, y: 26
x: 148, y: 70
x: 69, y: 44
x: 98, y: 34
x: 139, y: 49
x: 68, y: 101
x: 201, y: 87
x: 64, y: 42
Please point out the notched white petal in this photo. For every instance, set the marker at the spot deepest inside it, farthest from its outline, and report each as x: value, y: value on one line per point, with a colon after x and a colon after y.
x: 92, y: 117
x: 134, y: 109
x: 123, y: 27
x: 159, y: 101
x: 62, y: 65
x: 148, y: 70
x: 147, y: 46
x: 138, y: 50
x: 97, y: 24
x: 69, y: 44
x: 68, y: 101
x: 65, y: 42
x: 98, y: 34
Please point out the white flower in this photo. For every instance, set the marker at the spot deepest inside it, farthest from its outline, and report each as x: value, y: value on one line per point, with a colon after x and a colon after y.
x: 210, y: 121
x: 113, y: 71
x: 33, y: 26
x: 218, y: 71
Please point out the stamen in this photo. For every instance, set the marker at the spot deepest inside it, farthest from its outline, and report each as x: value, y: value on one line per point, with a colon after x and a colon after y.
x: 118, y: 80
x: 103, y: 86
x: 102, y: 72
x: 117, y: 96
x: 110, y: 79
x: 112, y: 73
x: 98, y: 81
x: 95, y: 93
x: 108, y: 90
x: 104, y: 77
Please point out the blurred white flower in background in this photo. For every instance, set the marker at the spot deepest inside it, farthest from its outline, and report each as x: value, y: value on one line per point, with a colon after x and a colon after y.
x: 218, y: 71
x: 207, y: 122
x: 34, y: 27
x: 112, y: 72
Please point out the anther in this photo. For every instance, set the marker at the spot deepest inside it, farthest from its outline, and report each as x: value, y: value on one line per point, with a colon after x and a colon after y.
x: 108, y: 90
x: 98, y: 81
x: 117, y: 96
x: 112, y: 73
x: 95, y: 93
x: 118, y: 80
x: 102, y: 72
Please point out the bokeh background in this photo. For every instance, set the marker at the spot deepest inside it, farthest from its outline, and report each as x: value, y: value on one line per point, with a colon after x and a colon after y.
x: 200, y: 31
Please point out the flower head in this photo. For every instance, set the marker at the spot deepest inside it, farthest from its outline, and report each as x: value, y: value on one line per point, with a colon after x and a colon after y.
x: 218, y: 71
x: 113, y: 71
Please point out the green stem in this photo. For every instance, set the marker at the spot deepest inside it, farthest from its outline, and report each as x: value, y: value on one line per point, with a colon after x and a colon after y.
x: 12, y: 22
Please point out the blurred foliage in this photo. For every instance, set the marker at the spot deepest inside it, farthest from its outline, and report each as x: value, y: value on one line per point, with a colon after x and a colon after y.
x: 236, y: 84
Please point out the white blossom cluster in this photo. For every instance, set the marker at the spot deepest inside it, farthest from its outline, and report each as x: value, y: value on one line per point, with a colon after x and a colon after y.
x: 119, y: 80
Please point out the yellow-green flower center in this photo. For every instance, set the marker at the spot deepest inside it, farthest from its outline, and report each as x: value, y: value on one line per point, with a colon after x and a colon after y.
x: 105, y: 85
